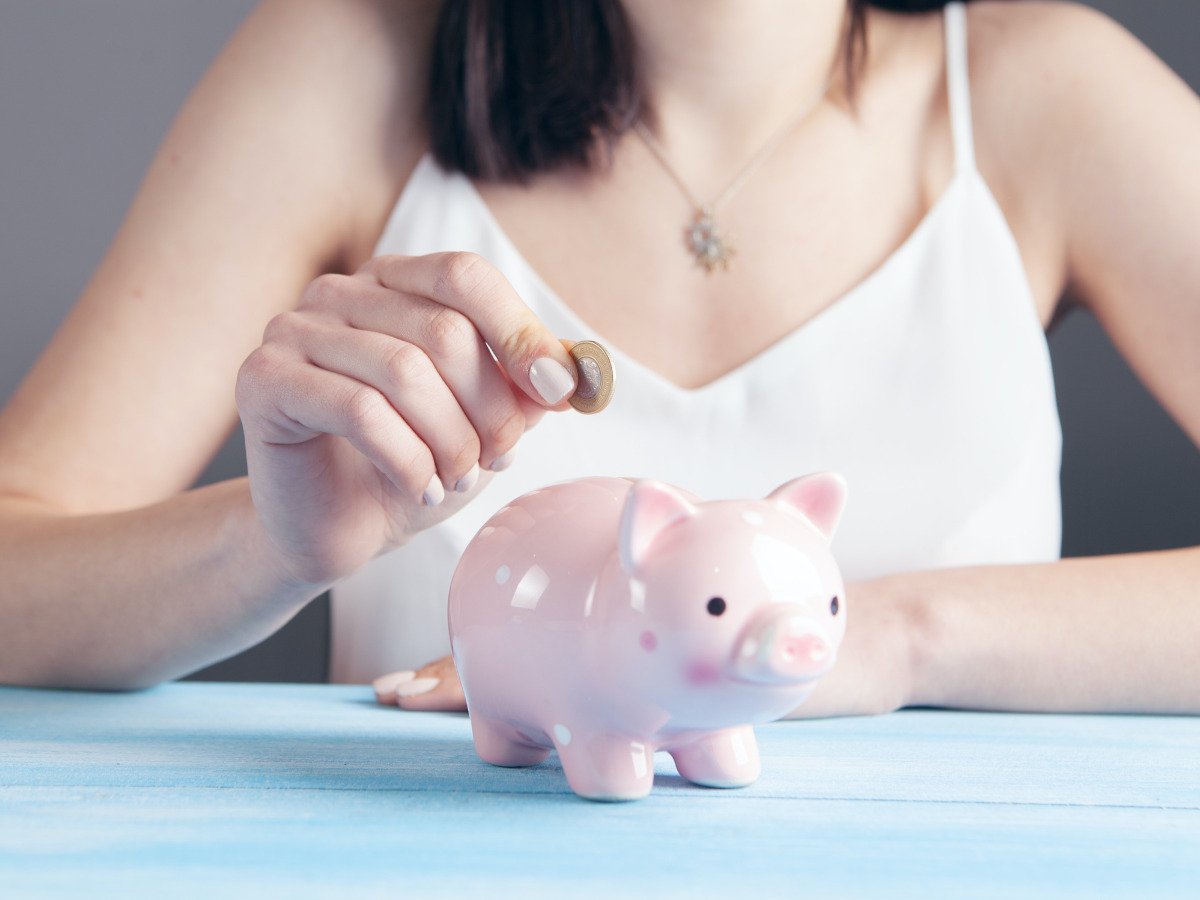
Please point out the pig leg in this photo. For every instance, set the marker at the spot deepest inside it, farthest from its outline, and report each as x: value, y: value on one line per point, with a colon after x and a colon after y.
x: 725, y: 759
x: 605, y: 767
x: 497, y: 743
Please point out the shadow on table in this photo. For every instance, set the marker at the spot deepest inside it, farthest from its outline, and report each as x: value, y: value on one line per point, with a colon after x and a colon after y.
x: 375, y: 704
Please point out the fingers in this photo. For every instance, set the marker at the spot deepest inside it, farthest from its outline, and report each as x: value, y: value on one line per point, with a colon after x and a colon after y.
x: 405, y: 375
x: 529, y: 353
x: 386, y: 685
x: 431, y: 366
x: 497, y: 410
x: 292, y: 402
x: 432, y: 687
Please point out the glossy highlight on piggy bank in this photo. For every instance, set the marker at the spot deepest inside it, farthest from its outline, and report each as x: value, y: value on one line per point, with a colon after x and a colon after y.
x: 607, y: 619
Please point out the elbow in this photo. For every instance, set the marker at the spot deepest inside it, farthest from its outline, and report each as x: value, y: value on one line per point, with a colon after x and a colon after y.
x: 64, y: 675
x: 99, y: 685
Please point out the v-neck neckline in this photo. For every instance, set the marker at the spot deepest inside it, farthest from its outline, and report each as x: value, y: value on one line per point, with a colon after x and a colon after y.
x: 832, y: 312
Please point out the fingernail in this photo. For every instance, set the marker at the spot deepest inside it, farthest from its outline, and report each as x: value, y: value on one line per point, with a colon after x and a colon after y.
x: 434, y: 492
x: 551, y: 380
x: 467, y: 482
x: 500, y: 463
x: 387, y: 684
x: 417, y: 686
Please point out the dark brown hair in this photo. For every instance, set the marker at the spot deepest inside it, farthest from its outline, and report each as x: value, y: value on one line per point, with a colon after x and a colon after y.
x: 524, y: 86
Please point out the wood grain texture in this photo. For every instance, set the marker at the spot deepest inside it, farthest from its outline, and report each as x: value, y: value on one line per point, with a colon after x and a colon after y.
x: 270, y: 790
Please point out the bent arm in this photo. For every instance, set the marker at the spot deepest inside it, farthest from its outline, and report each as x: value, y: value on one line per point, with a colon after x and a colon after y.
x: 1105, y: 634
x: 1116, y: 148
x: 1106, y: 160
x: 282, y: 165
x: 1112, y: 634
x: 126, y: 599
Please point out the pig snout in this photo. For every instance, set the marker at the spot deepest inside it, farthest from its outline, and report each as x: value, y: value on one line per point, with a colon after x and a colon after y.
x: 782, y: 646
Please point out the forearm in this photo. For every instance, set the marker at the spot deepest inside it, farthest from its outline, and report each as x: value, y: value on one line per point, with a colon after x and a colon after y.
x: 1100, y: 634
x: 121, y: 600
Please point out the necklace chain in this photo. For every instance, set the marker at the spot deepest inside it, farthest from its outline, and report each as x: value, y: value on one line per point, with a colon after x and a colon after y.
x: 711, y: 249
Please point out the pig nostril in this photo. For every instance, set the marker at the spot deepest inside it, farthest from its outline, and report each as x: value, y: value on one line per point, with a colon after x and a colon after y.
x: 802, y: 649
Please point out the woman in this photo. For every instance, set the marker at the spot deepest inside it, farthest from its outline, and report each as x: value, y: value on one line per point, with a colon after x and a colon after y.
x: 905, y: 224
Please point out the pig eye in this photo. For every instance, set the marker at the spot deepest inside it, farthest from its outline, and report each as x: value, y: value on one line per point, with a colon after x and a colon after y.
x: 833, y: 606
x: 716, y: 606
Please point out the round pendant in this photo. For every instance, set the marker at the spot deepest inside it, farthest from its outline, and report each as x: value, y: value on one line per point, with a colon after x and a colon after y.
x: 708, y: 246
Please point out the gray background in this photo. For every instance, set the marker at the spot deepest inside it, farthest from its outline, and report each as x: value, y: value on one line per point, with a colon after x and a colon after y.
x: 88, y: 89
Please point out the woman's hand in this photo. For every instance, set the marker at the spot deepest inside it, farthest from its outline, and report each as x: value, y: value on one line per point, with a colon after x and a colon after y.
x: 370, y: 410
x: 434, y: 686
x: 873, y: 674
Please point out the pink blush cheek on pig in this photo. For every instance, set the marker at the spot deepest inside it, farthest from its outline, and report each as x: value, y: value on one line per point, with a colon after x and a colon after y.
x: 701, y: 673
x: 648, y: 640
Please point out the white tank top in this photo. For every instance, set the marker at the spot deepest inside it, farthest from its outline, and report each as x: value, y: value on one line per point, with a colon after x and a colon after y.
x: 928, y: 385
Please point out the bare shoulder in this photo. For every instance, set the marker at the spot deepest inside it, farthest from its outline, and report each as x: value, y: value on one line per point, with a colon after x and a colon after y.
x: 1092, y: 140
x: 1036, y: 21
x: 1050, y: 83
x: 1040, y: 69
x: 356, y: 71
x: 1054, y: 45
x: 283, y: 164
x: 360, y: 41
x: 372, y: 48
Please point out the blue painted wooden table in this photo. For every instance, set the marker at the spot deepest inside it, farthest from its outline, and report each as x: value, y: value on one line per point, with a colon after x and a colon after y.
x: 281, y: 790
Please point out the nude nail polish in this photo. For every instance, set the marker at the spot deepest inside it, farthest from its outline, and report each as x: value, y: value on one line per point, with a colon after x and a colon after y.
x: 551, y: 380
x: 502, y: 462
x: 387, y: 684
x: 434, y: 492
x: 467, y: 482
x: 417, y: 686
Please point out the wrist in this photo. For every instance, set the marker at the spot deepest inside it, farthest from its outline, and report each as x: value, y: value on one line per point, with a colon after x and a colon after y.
x: 911, y: 607
x: 268, y: 575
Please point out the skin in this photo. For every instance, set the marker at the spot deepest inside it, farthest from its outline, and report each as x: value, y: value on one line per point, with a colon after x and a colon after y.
x: 245, y: 260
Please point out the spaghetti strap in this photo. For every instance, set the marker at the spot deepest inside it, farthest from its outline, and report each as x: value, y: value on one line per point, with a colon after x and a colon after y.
x: 958, y: 86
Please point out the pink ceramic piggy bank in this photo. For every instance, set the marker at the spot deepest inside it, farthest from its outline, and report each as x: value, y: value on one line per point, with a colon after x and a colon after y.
x: 608, y: 619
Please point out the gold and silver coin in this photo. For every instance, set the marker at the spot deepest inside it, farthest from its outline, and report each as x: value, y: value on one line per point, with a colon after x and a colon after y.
x: 594, y: 371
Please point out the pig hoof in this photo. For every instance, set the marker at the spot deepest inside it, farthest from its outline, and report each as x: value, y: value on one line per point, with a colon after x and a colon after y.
x: 607, y: 769
x: 496, y: 744
x: 726, y: 759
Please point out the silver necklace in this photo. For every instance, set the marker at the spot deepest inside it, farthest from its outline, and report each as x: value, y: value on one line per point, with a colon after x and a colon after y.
x: 711, y: 247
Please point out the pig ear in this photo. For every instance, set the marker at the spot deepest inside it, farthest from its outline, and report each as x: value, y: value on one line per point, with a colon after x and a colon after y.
x: 820, y: 498
x: 650, y: 508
